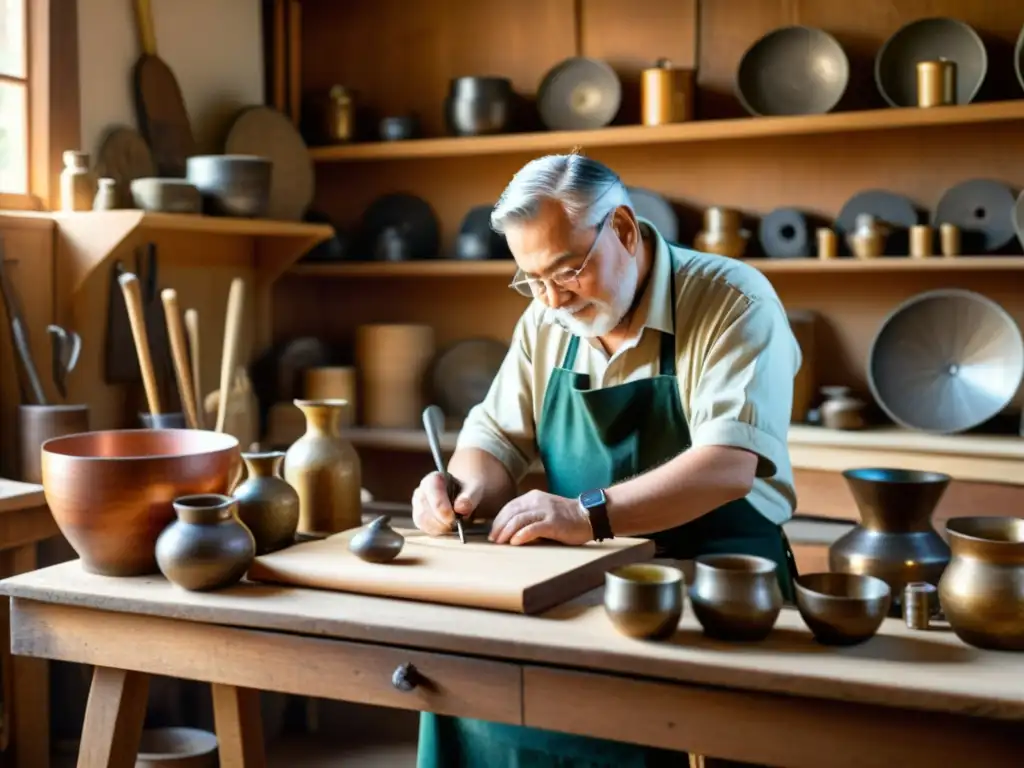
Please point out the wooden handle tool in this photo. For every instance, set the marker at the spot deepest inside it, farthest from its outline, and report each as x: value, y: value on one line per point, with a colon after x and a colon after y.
x: 192, y: 330
x: 229, y: 354
x: 136, y: 318
x: 179, y: 353
x: 144, y: 24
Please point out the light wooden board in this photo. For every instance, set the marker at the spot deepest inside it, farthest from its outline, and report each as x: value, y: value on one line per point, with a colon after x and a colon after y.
x: 931, y: 671
x: 479, y: 574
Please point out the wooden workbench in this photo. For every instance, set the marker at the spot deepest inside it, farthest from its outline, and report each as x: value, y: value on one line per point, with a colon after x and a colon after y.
x: 25, y: 521
x: 905, y: 698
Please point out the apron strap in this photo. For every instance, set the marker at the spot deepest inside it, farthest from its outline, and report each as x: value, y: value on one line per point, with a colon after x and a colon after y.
x: 668, y: 340
x: 569, y: 361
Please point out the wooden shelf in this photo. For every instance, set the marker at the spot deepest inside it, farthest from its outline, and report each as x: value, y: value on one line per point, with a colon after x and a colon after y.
x: 505, y: 268
x: 994, y: 459
x: 696, y: 131
x: 91, y: 239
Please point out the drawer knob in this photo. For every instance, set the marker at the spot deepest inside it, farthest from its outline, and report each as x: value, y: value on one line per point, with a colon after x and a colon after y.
x: 405, y: 678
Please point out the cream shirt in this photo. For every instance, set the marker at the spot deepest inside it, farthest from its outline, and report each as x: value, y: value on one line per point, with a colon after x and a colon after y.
x: 736, y: 361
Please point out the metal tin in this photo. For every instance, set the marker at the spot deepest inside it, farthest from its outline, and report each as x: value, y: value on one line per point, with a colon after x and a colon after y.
x: 949, y: 240
x: 666, y: 94
x: 936, y: 83
x: 921, y: 238
x: 828, y: 243
x: 919, y: 599
x: 340, y: 114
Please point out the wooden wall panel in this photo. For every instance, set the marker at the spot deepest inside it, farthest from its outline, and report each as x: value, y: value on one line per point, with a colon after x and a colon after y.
x: 654, y: 29
x: 28, y: 257
x: 399, y: 55
x: 729, y: 27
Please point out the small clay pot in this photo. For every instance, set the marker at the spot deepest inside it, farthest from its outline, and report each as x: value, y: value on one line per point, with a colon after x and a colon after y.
x: 841, y: 410
x: 267, y: 505
x: 378, y: 542
x: 207, y: 547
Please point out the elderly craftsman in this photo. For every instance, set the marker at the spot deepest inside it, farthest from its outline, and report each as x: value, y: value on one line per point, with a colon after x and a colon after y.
x: 655, y: 385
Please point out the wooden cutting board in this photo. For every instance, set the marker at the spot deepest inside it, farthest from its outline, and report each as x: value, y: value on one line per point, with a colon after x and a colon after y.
x: 478, y: 574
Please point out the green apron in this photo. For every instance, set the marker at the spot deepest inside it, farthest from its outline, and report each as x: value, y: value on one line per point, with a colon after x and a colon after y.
x: 594, y: 438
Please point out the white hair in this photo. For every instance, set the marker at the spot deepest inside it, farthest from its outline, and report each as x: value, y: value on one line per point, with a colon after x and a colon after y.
x: 586, y: 189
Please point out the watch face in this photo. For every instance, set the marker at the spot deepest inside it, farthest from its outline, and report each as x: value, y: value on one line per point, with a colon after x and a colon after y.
x: 592, y: 498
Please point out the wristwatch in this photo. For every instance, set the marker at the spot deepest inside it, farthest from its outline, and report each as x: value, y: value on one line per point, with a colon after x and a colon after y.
x: 596, y: 505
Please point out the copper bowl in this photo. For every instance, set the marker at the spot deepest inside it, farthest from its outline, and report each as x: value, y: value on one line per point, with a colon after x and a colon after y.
x: 842, y: 608
x: 736, y: 597
x: 110, y: 492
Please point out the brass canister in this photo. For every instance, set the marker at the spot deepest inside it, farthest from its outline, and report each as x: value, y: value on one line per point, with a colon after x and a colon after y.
x: 340, y: 114
x: 666, y: 94
x: 936, y: 83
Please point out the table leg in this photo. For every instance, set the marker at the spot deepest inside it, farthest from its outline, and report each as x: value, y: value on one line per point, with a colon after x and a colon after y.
x: 26, y: 689
x: 239, y: 725
x: 114, y: 716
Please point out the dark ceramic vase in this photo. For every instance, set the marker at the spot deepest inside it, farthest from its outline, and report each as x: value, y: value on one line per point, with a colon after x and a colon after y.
x: 267, y: 505
x: 207, y: 547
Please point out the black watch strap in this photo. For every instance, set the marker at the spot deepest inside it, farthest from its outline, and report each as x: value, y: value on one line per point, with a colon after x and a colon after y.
x: 596, y: 504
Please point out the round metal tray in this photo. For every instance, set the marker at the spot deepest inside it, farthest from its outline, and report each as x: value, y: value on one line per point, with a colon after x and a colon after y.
x: 579, y: 94
x: 793, y: 71
x: 946, y: 361
x: 930, y: 40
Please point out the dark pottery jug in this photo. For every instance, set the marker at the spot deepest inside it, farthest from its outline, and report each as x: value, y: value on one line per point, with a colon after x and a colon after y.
x: 207, y: 547
x: 267, y: 505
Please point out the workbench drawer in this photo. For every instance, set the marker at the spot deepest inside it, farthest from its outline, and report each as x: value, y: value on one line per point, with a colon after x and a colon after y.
x: 436, y: 682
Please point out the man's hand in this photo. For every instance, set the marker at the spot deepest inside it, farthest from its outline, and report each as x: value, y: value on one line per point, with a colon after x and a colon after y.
x: 539, y: 515
x: 431, y: 511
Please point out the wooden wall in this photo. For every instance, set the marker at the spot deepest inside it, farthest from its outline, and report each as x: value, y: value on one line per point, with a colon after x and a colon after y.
x: 28, y: 261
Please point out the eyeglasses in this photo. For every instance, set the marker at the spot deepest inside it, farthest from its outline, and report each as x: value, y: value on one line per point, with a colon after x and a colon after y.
x: 564, y: 279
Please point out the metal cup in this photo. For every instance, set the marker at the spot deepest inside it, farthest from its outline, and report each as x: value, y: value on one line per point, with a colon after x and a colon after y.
x: 644, y: 600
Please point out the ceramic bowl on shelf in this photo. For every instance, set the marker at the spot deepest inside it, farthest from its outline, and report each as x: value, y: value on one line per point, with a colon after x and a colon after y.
x: 842, y: 608
x: 793, y: 71
x: 232, y: 185
x: 110, y: 492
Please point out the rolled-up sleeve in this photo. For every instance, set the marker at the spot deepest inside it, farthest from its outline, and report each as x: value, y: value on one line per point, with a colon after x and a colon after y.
x: 744, y: 395
x: 503, y: 424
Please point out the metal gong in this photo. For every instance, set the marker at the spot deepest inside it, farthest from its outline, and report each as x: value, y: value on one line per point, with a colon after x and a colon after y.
x: 946, y: 361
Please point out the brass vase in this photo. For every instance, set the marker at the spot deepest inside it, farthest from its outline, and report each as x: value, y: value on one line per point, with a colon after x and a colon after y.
x: 982, y: 590
x: 267, y: 505
x: 895, y: 540
x: 324, y: 469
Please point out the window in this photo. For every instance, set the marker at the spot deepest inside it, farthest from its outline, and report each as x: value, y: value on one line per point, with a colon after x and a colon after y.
x: 14, y: 147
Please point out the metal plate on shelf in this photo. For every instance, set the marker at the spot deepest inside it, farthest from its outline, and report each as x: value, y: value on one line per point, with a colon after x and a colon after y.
x: 794, y: 70
x: 784, y: 234
x: 462, y: 374
x: 930, y: 40
x: 946, y: 361
x: 579, y: 94
x: 983, y: 211
x: 656, y: 209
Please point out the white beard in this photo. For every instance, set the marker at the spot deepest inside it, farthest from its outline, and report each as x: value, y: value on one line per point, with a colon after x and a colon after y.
x: 606, y: 316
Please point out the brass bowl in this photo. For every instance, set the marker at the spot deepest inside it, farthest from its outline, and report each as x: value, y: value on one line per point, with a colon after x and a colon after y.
x: 110, y: 492
x: 842, y: 608
x: 736, y: 597
x: 644, y: 600
x: 982, y: 588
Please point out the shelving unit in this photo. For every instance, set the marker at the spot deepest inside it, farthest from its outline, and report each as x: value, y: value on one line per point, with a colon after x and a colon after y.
x: 505, y: 269
x: 737, y: 129
x: 812, y: 163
